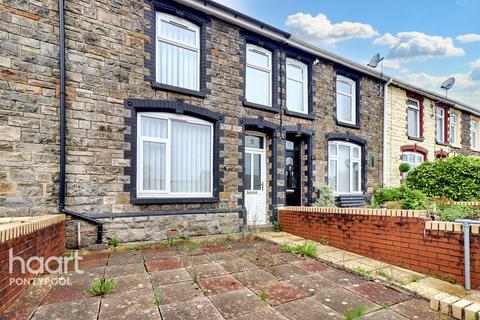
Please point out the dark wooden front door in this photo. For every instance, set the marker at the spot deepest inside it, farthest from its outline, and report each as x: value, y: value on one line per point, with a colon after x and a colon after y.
x: 292, y: 174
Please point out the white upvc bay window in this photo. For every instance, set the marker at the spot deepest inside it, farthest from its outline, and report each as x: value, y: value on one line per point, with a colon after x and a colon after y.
x: 174, y: 156
x: 178, y: 52
x: 346, y: 100
x: 413, y: 118
x: 412, y: 158
x: 344, y: 167
x: 258, y: 78
x: 297, y: 86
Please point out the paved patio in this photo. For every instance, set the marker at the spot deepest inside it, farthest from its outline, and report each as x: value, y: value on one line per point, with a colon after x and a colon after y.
x: 226, y: 279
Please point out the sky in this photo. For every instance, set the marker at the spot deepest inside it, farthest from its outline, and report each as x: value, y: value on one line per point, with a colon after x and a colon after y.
x: 424, y: 42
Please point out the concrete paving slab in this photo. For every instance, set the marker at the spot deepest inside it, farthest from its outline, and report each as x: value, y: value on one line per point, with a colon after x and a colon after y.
x: 237, y: 265
x: 85, y: 277
x: 30, y: 298
x: 287, y: 271
x: 355, y: 264
x: 268, y: 313
x: 219, y: 284
x: 378, y: 293
x: 311, y: 266
x: 415, y: 309
x: 224, y: 256
x: 342, y: 300
x: 254, y: 278
x: 422, y: 290
x: 194, y: 260
x: 88, y: 255
x: 312, y: 283
x: 125, y: 257
x: 338, y: 257
x: 159, y: 255
x: 207, y: 270
x: 238, y: 302
x: 159, y: 278
x: 131, y: 305
x: 79, y: 309
x: 307, y: 309
x: 342, y: 278
x: 59, y: 294
x: 200, y: 308
x: 19, y: 314
x: 160, y: 265
x: 324, y: 248
x: 132, y: 282
x: 178, y: 292
x: 287, y: 257
x: 118, y: 270
x: 383, y: 314
x: 265, y: 260
x: 443, y: 286
x: 279, y: 292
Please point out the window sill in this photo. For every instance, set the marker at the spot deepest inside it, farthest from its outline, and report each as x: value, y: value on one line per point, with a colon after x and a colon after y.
x: 416, y: 139
x: 261, y: 107
x: 173, y: 200
x: 455, y: 146
x: 348, y: 125
x: 170, y: 88
x: 299, y: 114
x: 442, y: 144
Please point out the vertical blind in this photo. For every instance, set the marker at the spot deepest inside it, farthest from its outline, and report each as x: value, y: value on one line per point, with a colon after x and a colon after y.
x: 177, y: 52
x: 176, y: 155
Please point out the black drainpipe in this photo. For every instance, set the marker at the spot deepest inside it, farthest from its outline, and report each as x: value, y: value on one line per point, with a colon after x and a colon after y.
x: 63, y: 135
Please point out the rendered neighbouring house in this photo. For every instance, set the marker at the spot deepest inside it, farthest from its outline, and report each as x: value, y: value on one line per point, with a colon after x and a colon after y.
x: 180, y: 116
x: 422, y: 125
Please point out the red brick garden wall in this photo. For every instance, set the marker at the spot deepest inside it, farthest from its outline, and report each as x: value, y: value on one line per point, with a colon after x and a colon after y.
x: 402, y: 241
x: 46, y: 242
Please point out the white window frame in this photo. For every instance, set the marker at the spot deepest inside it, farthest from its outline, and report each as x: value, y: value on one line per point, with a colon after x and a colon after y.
x: 474, y: 133
x: 405, y: 155
x: 141, y: 193
x: 353, y: 96
x: 268, y: 53
x: 358, y: 160
x: 300, y: 65
x: 453, y: 122
x: 184, y: 24
x: 417, y: 109
x: 440, y: 115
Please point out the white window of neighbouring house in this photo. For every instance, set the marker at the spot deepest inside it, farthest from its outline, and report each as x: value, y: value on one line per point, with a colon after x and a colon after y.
x: 474, y: 134
x: 174, y: 156
x: 440, y: 124
x: 344, y: 167
x: 413, y: 118
x: 258, y: 87
x: 453, y: 128
x: 297, y: 86
x: 178, y: 52
x: 346, y: 104
x: 412, y: 158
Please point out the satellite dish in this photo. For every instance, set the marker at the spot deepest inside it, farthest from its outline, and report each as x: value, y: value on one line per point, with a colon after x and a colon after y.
x: 448, y: 84
x: 376, y: 59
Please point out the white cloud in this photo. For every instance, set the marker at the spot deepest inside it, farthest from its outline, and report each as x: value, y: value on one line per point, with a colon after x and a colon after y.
x: 475, y: 64
x: 417, y: 46
x: 466, y: 88
x: 469, y: 37
x: 320, y: 30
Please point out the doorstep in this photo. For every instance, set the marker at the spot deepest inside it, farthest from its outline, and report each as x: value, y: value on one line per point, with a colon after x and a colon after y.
x: 445, y: 297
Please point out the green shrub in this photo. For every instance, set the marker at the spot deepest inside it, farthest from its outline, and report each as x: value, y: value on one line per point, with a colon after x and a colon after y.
x: 404, y: 167
x: 456, y: 211
x: 277, y: 226
x: 408, y: 199
x: 456, y: 178
x: 114, y: 241
x: 325, y: 196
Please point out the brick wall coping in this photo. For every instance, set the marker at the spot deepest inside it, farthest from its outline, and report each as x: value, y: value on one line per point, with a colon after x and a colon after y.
x: 363, y: 211
x: 11, y: 228
x: 468, y: 203
x: 450, y: 226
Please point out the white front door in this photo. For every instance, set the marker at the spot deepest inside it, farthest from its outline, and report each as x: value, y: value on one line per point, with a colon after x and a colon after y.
x: 255, y: 176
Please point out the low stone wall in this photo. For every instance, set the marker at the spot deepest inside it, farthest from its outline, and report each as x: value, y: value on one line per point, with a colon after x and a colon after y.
x: 405, y: 238
x: 155, y: 227
x: 43, y: 237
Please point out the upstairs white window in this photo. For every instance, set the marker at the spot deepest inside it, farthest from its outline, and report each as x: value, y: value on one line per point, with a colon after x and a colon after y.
x: 344, y: 167
x: 412, y: 158
x: 178, y: 52
x: 413, y: 118
x: 474, y: 134
x: 346, y: 96
x: 174, y: 156
x: 297, y: 86
x: 453, y: 128
x: 440, y: 124
x: 258, y: 87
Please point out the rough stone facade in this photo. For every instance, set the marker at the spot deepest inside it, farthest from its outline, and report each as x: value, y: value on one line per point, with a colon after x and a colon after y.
x: 397, y: 137
x: 107, y: 64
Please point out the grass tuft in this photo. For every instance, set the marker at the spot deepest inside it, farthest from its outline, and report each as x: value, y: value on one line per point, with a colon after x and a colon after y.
x: 100, y: 287
x: 114, y: 241
x: 306, y: 249
x: 355, y: 313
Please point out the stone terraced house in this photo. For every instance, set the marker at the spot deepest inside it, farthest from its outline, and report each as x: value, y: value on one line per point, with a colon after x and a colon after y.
x: 143, y: 118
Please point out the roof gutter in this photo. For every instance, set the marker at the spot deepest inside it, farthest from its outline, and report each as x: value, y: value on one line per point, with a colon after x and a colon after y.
x: 63, y: 129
